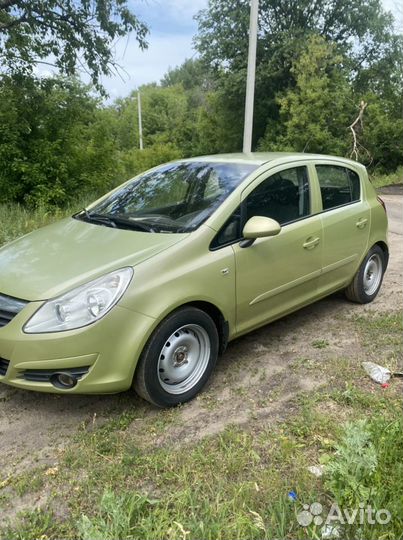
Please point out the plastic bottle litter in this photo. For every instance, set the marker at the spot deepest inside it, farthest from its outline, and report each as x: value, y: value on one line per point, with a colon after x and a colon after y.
x: 377, y: 373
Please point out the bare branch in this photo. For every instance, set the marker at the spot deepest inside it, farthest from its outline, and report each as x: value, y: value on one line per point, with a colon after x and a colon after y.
x: 356, y: 127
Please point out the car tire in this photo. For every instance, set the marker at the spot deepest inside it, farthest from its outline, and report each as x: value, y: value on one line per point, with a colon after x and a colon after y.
x: 178, y: 359
x: 368, y: 279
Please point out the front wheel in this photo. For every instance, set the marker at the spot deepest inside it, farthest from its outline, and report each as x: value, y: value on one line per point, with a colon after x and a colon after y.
x: 368, y: 279
x: 178, y: 358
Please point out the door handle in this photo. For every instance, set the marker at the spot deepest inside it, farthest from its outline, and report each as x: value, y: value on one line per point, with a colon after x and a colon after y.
x: 311, y: 243
x: 361, y: 223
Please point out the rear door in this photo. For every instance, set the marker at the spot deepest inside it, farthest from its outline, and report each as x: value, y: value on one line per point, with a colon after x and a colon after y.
x: 346, y: 223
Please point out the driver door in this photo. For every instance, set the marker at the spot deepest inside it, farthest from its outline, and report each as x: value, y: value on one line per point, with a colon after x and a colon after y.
x: 276, y: 275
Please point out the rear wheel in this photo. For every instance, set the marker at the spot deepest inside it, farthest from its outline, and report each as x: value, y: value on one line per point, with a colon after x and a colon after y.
x: 368, y: 280
x: 178, y: 359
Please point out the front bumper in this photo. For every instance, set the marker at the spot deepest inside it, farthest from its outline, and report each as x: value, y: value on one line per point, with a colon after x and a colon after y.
x: 110, y: 349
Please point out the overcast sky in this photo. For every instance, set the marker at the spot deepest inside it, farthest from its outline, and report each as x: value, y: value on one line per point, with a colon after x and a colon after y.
x: 172, y: 28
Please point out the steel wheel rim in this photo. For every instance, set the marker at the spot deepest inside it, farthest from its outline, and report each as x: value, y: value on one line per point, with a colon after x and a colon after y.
x: 372, y: 274
x: 183, y: 359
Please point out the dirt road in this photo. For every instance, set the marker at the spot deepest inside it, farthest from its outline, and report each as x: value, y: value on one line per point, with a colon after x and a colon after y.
x: 260, y: 375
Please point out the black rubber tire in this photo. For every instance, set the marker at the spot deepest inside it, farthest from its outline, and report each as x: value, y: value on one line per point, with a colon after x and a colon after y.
x: 355, y: 292
x: 146, y: 383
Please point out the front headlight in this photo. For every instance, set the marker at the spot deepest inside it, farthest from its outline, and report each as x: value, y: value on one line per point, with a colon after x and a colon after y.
x: 81, y: 306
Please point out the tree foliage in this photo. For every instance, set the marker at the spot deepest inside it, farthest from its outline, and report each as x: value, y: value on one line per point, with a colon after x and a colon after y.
x: 316, y: 63
x: 66, y: 33
x: 314, y: 115
x: 359, y: 30
x: 54, y: 141
x: 359, y: 27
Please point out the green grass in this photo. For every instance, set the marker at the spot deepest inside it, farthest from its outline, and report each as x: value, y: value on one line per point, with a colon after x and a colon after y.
x: 381, y: 335
x: 17, y: 220
x: 231, y: 486
x: 29, y: 482
x: 234, y: 485
x: 320, y: 344
x: 118, y: 482
x: 367, y: 469
x: 381, y: 180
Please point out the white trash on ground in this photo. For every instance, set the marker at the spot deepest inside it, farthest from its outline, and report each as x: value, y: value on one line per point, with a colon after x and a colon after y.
x: 316, y: 470
x: 377, y: 373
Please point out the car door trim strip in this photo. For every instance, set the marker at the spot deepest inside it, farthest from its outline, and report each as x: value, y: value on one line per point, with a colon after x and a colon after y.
x: 285, y: 287
x: 339, y: 264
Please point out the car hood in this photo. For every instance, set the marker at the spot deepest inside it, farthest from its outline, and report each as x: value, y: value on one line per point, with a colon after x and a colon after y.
x: 59, y: 257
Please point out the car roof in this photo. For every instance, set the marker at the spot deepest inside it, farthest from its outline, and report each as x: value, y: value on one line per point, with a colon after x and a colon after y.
x: 259, y: 158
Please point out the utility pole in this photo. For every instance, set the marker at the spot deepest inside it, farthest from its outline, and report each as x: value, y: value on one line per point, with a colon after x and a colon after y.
x: 140, y: 120
x: 250, y: 80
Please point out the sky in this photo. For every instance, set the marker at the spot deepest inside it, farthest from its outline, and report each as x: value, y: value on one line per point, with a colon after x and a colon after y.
x: 172, y: 27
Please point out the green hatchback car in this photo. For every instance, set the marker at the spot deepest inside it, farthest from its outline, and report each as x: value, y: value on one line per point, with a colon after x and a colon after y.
x: 146, y: 286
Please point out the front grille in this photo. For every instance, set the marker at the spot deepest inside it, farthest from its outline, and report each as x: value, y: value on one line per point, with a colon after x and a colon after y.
x: 3, y: 366
x: 44, y: 375
x: 9, y: 308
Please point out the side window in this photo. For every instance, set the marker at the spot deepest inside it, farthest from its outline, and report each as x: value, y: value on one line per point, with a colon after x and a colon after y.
x: 338, y: 185
x: 284, y: 196
x: 230, y: 232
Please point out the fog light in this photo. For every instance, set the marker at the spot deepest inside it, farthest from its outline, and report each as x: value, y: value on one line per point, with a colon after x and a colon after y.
x: 63, y: 380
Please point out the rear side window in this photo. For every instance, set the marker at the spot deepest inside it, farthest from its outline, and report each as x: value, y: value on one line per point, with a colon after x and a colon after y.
x: 338, y: 185
x: 284, y: 196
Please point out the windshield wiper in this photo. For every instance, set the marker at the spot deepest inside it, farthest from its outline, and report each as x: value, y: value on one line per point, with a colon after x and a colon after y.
x: 132, y: 223
x: 99, y: 218
x: 113, y: 221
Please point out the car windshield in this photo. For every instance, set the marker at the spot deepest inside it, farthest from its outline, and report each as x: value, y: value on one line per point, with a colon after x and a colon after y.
x: 174, y: 198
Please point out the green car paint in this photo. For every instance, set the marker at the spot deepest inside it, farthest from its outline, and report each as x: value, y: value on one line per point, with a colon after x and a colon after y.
x: 247, y: 287
x: 61, y: 256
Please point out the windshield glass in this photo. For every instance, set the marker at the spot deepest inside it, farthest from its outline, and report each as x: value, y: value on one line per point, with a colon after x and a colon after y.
x: 176, y: 197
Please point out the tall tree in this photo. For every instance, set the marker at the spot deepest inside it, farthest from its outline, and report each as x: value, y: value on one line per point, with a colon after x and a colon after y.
x: 191, y: 74
x: 359, y: 26
x: 166, y: 117
x: 69, y: 34
x: 55, y: 141
x: 360, y: 30
x: 314, y: 115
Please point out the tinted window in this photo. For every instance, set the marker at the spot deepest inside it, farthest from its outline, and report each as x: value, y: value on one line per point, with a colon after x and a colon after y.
x: 230, y: 232
x: 284, y: 196
x: 338, y: 185
x: 173, y: 198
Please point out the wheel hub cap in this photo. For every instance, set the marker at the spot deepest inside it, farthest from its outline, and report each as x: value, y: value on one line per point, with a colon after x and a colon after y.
x: 372, y: 274
x: 180, y: 356
x: 183, y: 359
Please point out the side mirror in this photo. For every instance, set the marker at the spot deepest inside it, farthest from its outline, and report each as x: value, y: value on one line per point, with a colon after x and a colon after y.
x: 259, y: 227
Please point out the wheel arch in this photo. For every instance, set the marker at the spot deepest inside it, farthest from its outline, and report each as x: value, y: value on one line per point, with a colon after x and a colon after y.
x: 211, y: 309
x: 385, y: 249
x: 208, y: 308
x: 219, y: 320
